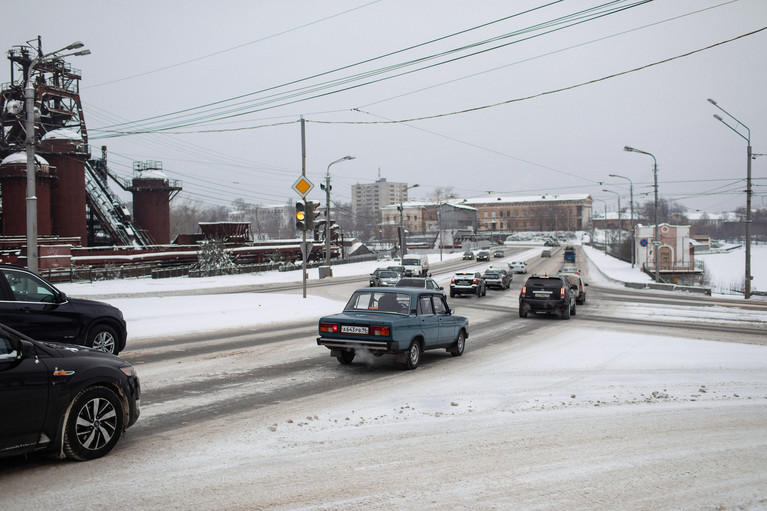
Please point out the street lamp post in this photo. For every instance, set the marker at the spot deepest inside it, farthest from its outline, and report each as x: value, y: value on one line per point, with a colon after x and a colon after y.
x: 656, y: 242
x: 402, y: 240
x: 633, y: 234
x: 327, y: 207
x: 749, y: 157
x: 29, y: 106
x: 620, y: 224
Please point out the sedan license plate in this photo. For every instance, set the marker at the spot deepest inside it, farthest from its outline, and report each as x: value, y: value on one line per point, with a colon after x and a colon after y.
x: 350, y: 329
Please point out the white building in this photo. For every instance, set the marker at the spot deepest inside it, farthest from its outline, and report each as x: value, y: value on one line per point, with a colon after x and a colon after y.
x: 675, y: 252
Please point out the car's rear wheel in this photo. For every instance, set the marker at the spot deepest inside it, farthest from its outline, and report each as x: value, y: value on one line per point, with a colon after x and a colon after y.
x: 452, y: 294
x: 573, y: 310
x: 94, y: 424
x: 413, y: 355
x: 460, y: 345
x: 346, y: 357
x: 522, y: 312
x: 565, y: 313
x: 104, y: 338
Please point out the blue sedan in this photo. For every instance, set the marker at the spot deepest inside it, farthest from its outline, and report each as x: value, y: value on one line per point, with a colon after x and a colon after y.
x: 400, y: 321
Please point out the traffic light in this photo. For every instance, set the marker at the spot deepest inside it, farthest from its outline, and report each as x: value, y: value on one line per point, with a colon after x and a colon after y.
x: 311, y: 214
x: 301, y: 224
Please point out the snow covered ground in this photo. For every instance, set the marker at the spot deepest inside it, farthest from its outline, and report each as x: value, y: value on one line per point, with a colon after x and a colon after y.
x: 578, y: 417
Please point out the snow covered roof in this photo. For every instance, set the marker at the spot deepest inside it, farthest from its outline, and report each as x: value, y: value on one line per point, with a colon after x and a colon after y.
x: 152, y: 174
x: 63, y: 134
x: 487, y: 199
x: 22, y: 158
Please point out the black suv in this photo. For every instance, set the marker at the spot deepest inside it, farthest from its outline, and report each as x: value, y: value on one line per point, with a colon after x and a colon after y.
x: 547, y: 294
x: 36, y: 308
x: 67, y: 401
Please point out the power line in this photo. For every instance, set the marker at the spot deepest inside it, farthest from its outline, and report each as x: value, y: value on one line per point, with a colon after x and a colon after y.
x: 288, y: 97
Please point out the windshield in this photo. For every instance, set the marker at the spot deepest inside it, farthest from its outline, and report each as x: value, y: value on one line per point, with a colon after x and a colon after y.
x: 379, y: 301
x: 411, y: 262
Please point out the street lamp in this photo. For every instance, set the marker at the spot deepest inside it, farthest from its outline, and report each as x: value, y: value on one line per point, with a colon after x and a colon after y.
x: 604, y: 224
x: 749, y: 157
x: 656, y: 242
x: 327, y: 207
x: 620, y: 225
x: 402, y: 240
x: 29, y: 106
x: 633, y: 234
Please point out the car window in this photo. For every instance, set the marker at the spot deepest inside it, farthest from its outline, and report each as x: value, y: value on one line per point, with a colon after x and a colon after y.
x: 5, y: 346
x: 28, y: 288
x: 424, y: 306
x: 378, y: 301
x: 440, y: 307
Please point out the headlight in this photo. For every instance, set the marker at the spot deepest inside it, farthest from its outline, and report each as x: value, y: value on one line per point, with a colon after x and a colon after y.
x: 129, y: 370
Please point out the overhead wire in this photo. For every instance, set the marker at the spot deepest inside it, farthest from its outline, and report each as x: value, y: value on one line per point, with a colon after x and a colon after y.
x: 287, y: 98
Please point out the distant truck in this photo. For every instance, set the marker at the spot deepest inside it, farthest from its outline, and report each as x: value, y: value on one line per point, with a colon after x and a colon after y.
x: 416, y: 265
x: 570, y: 254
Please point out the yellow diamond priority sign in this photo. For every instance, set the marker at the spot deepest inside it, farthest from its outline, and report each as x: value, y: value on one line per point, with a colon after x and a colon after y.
x: 303, y: 186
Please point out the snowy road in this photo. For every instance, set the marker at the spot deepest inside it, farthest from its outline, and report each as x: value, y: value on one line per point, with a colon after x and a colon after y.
x: 598, y: 412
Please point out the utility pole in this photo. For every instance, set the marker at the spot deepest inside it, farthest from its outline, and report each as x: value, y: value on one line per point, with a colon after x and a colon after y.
x: 303, y: 233
x: 327, y: 188
x: 749, y: 157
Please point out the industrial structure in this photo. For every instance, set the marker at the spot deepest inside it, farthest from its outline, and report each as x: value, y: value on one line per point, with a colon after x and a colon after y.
x: 74, y: 199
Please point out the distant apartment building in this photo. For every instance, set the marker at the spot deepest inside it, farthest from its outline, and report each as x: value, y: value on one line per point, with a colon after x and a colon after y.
x: 368, y: 199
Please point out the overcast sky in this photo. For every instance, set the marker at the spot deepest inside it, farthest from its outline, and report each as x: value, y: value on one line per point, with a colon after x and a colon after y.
x: 551, y: 102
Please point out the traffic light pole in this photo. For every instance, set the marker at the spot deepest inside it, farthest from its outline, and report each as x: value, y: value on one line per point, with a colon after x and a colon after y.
x: 304, y: 255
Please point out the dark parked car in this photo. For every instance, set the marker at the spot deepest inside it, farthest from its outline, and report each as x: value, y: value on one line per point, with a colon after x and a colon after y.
x: 483, y: 255
x: 421, y: 282
x: 69, y: 401
x: 399, y: 321
x: 36, y: 308
x: 384, y: 277
x: 468, y: 255
x: 497, y: 277
x: 467, y: 283
x: 547, y: 294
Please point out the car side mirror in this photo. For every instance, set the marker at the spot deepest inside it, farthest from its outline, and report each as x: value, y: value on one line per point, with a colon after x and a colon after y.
x: 585, y: 283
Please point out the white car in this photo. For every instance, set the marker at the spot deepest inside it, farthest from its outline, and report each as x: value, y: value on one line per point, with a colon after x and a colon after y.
x: 518, y: 267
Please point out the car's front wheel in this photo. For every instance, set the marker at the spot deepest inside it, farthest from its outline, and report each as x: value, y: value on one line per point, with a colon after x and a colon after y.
x: 413, y: 355
x: 459, y: 346
x: 94, y: 424
x: 104, y: 338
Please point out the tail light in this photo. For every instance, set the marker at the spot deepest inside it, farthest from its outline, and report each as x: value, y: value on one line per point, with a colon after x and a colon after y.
x: 380, y: 331
x: 452, y: 281
x: 474, y: 281
x: 561, y: 292
x: 524, y: 290
x: 329, y: 328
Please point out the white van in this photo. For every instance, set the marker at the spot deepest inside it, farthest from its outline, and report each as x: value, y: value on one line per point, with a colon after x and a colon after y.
x: 415, y: 265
